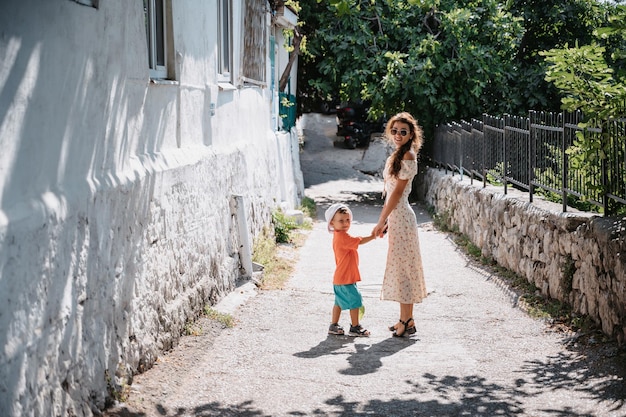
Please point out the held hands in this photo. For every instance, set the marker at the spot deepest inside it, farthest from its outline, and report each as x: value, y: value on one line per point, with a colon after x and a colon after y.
x: 380, y: 229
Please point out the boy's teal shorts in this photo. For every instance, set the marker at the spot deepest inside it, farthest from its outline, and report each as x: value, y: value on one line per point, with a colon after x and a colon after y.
x: 347, y: 296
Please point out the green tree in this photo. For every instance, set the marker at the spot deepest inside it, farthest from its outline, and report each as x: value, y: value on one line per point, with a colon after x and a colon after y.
x: 549, y: 25
x: 591, y: 79
x: 441, y: 60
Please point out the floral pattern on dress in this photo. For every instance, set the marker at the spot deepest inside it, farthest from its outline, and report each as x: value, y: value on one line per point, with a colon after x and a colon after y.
x: 404, y: 276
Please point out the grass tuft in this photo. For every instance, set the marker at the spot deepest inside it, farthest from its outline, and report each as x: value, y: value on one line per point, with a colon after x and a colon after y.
x: 225, y: 319
x: 277, y: 252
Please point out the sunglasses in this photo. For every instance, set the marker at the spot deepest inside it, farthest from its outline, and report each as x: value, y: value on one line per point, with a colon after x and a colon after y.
x: 401, y: 132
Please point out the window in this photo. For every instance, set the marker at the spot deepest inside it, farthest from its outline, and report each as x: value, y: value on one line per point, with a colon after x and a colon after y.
x: 225, y: 40
x: 255, y: 39
x: 155, y: 18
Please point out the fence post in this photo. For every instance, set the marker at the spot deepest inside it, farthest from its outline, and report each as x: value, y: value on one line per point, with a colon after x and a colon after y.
x: 531, y: 158
x: 505, y: 160
x: 483, y: 165
x: 564, y: 161
x: 605, y: 187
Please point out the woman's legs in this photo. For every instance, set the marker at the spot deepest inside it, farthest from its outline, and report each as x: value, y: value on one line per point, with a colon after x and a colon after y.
x: 406, y: 320
x: 406, y: 311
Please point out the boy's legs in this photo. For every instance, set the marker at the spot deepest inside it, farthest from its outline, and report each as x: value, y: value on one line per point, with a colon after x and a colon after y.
x: 335, y: 314
x: 334, y: 327
x: 348, y: 297
x: 354, y: 317
x: 355, y: 327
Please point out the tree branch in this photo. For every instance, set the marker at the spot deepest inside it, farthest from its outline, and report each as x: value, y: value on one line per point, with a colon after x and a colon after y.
x: 297, y: 38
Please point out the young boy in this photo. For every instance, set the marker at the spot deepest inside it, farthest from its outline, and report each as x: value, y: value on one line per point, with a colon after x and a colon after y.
x: 347, y: 296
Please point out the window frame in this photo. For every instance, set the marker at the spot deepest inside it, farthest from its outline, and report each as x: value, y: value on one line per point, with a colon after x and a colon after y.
x: 255, y: 43
x: 225, y: 49
x: 155, y: 12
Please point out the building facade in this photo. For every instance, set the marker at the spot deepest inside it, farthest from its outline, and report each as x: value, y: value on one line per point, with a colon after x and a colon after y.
x: 142, y: 151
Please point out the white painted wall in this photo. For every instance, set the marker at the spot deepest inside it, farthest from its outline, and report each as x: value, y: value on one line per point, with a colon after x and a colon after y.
x: 115, y: 194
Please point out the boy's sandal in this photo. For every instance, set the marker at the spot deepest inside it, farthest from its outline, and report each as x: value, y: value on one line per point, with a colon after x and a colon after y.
x: 335, y: 328
x: 358, y: 331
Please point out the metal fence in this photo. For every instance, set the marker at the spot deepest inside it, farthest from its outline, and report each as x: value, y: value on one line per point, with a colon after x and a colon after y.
x: 537, y: 154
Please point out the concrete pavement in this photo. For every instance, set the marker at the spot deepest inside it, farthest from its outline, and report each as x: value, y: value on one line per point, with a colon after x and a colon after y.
x: 475, y: 353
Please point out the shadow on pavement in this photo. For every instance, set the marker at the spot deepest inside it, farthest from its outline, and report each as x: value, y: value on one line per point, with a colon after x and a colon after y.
x: 353, y: 198
x: 467, y: 395
x: 573, y: 370
x: 328, y: 346
x: 367, y: 360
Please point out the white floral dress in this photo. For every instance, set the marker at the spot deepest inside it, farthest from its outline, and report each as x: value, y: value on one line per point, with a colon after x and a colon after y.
x: 404, y: 275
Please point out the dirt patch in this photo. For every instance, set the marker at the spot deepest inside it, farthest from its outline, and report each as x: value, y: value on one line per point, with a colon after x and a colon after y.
x: 147, y: 389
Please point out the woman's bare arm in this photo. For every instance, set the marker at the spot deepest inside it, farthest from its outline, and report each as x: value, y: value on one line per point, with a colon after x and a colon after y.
x: 390, y: 205
x: 392, y: 200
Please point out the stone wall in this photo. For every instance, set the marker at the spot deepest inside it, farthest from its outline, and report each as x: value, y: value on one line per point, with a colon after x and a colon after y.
x: 575, y: 257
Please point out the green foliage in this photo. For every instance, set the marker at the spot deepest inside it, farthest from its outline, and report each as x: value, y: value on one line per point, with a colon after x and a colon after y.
x: 583, y: 75
x: 308, y: 207
x: 282, y: 226
x: 442, y: 221
x: 436, y: 59
x: 293, y: 4
x: 590, y: 84
x: 118, y: 393
x: 549, y: 25
x: 269, y: 248
x: 444, y: 60
x: 495, y: 175
x: 552, y: 177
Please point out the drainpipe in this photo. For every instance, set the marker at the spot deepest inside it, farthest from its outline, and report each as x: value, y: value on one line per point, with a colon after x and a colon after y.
x: 238, y: 210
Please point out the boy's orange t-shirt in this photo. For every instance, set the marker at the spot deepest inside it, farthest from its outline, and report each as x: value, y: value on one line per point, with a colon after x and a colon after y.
x: 346, y: 258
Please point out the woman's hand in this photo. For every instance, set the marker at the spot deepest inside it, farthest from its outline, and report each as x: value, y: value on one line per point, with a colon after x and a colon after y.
x: 380, y: 229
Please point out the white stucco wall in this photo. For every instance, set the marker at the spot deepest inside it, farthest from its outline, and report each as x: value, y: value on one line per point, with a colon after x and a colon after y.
x: 116, y: 225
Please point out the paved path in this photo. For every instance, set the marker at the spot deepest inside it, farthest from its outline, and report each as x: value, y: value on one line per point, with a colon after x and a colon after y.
x: 474, y: 354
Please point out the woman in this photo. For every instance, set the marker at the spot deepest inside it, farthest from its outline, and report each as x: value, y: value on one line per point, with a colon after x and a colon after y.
x: 404, y: 277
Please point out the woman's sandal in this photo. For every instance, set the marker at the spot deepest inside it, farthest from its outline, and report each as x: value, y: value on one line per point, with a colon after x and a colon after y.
x: 407, y: 329
x: 393, y: 328
x: 411, y: 329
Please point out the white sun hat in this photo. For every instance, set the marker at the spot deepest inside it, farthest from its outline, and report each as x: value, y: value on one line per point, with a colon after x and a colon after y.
x: 330, y: 213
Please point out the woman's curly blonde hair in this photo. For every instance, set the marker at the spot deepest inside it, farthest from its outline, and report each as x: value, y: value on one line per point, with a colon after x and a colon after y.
x: 415, y: 143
